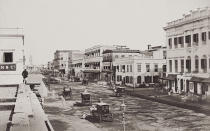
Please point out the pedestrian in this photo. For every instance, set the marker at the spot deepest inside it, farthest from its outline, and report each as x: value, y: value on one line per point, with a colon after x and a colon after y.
x: 25, y: 75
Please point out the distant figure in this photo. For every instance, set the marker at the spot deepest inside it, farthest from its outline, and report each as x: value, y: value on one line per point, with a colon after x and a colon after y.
x: 25, y: 75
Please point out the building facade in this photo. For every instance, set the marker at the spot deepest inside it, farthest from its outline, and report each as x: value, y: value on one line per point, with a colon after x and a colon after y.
x: 63, y: 60
x: 11, y: 56
x: 78, y: 66
x: 188, y: 53
x: 109, y: 56
x: 93, y: 61
x: 147, y: 67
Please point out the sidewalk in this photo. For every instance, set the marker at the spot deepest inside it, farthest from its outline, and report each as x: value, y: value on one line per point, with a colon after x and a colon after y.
x: 174, y: 99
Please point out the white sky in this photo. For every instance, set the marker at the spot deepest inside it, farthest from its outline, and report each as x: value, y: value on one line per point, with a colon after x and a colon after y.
x: 79, y: 24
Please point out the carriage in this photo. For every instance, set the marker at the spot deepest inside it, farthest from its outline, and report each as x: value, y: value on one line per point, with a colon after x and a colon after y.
x: 67, y: 92
x: 100, y: 112
x: 119, y: 91
x: 86, y: 98
x: 85, y: 82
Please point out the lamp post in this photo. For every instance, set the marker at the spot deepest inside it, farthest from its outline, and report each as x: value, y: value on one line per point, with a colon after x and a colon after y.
x: 123, y: 109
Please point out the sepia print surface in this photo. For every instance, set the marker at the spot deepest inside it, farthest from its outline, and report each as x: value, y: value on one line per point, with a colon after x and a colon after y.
x: 105, y: 65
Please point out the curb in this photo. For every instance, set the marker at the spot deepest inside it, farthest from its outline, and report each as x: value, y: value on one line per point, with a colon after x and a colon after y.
x: 195, y: 108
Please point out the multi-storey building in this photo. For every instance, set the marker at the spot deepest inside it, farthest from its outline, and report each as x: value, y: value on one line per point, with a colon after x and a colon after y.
x: 78, y: 67
x: 63, y: 60
x: 93, y: 61
x: 147, y: 67
x: 109, y: 56
x: 188, y: 53
x: 11, y: 56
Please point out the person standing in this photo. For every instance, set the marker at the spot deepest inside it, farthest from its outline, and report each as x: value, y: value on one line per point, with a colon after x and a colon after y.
x: 25, y: 75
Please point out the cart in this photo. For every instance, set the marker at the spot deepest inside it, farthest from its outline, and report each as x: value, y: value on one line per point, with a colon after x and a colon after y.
x: 86, y: 99
x: 100, y: 112
x: 85, y: 82
x: 67, y: 92
x: 119, y: 91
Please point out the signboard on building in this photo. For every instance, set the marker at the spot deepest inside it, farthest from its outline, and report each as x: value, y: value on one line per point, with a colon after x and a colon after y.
x: 7, y: 67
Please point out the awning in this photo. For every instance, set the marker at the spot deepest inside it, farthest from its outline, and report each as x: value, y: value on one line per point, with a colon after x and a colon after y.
x: 171, y: 77
x: 108, y: 71
x: 91, y: 71
x: 206, y: 80
x: 197, y: 79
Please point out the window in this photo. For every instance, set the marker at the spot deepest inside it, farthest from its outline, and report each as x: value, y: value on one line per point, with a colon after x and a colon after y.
x: 127, y: 79
x: 131, y: 79
x: 170, y: 43
x: 170, y: 65
x: 118, y: 68
x: 209, y: 35
x: 181, y: 41
x: 175, y: 42
x: 188, y: 65
x: 164, y: 68
x: 139, y: 79
x: 209, y: 63
x: 156, y: 67
x: 147, y: 67
x: 188, y: 40
x: 195, y: 38
x: 127, y: 68
x: 176, y: 65
x: 123, y: 68
x: 116, y: 56
x: 122, y: 56
x: 139, y: 67
x: 196, y: 65
x: 119, y: 78
x: 131, y: 68
x: 203, y: 36
x: 182, y: 66
x: 8, y: 57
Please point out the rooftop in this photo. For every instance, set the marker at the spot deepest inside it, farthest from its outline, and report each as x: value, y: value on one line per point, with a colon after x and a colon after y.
x: 193, y: 15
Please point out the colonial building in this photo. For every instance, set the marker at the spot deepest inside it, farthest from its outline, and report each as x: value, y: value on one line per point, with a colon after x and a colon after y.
x: 109, y: 56
x: 63, y: 60
x: 188, y: 53
x: 93, y: 61
x: 11, y: 56
x: 146, y: 67
x: 78, y: 66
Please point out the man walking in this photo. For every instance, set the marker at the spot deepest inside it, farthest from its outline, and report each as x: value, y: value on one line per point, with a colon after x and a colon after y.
x: 25, y: 75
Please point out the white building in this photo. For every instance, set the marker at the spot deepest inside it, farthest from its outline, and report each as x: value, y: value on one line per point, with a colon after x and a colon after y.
x: 109, y: 56
x: 61, y: 61
x: 11, y: 56
x: 146, y: 67
x: 78, y: 66
x: 93, y: 61
x: 188, y: 53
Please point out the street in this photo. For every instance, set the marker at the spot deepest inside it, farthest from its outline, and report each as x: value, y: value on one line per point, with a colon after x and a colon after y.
x: 140, y: 114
